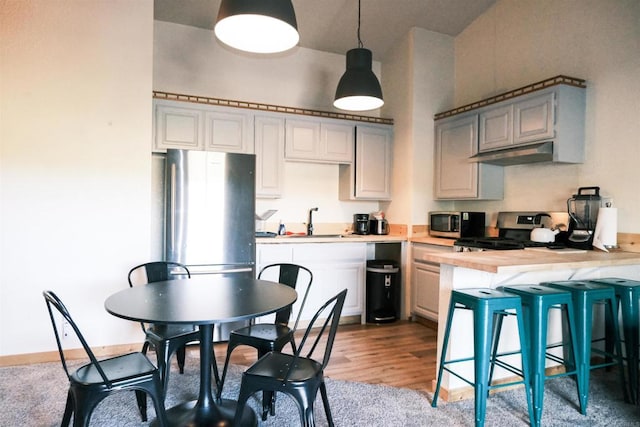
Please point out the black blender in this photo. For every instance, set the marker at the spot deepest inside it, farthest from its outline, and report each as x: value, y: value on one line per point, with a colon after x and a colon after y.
x: 583, y: 213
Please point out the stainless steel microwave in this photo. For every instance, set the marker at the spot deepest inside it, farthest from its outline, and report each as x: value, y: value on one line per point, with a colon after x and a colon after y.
x: 455, y: 225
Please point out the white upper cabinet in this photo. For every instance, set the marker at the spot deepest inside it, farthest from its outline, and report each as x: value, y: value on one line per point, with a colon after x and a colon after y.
x: 177, y: 126
x: 319, y: 140
x: 193, y: 126
x: 269, y: 146
x: 229, y: 131
x: 369, y: 178
x: 534, y: 118
x: 521, y: 122
x: 456, y: 178
x: 496, y: 128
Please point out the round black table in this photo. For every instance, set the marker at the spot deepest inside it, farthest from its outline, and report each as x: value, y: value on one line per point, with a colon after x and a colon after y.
x: 202, y: 301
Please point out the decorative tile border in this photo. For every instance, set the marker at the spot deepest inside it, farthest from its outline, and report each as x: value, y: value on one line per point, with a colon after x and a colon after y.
x: 571, y: 81
x: 268, y: 107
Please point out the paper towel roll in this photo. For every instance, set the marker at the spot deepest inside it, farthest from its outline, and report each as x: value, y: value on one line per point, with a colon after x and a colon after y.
x: 606, y: 233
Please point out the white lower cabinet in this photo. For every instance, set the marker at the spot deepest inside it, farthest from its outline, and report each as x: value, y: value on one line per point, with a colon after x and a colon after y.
x: 335, y: 266
x: 425, y: 281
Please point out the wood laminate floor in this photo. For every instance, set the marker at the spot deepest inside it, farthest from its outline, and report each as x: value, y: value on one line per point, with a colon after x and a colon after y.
x: 400, y: 354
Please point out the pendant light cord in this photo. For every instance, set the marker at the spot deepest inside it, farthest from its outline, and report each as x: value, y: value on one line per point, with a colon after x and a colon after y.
x: 360, y: 45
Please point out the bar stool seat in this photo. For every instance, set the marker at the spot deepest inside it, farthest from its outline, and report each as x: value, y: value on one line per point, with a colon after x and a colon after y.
x: 585, y: 294
x: 628, y: 297
x: 487, y: 305
x: 537, y: 300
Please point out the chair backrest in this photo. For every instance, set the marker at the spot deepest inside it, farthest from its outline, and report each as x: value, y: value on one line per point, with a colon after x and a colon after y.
x: 52, y: 300
x: 289, y: 274
x: 327, y: 316
x: 156, y: 271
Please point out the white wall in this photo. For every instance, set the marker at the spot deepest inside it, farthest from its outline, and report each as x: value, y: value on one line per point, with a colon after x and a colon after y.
x: 516, y: 43
x: 191, y: 61
x: 420, y: 78
x: 74, y: 163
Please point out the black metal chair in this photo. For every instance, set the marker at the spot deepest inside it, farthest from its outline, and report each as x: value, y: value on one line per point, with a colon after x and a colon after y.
x: 297, y: 375
x: 94, y: 381
x: 266, y: 337
x: 165, y: 339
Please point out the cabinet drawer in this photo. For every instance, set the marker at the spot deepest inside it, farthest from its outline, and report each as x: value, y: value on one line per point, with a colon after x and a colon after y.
x: 330, y: 252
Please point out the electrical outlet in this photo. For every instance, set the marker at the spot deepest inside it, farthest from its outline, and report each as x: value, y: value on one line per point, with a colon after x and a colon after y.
x: 63, y: 327
x: 66, y: 328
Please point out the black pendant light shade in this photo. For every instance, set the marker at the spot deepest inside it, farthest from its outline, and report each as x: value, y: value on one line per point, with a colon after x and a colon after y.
x: 259, y: 26
x: 358, y: 89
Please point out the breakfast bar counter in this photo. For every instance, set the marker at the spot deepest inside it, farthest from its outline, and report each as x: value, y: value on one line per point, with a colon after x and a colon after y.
x: 493, y: 269
x: 534, y: 259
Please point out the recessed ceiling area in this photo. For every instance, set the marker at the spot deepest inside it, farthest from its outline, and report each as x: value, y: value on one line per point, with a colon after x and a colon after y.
x: 331, y: 25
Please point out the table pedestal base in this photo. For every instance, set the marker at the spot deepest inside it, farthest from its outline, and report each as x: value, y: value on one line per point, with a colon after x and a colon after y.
x: 186, y: 415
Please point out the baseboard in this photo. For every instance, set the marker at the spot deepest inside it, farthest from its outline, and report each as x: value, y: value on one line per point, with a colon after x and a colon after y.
x: 431, y: 324
x: 73, y: 354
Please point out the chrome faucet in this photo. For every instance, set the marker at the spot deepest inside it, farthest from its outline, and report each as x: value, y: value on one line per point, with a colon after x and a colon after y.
x: 310, y: 222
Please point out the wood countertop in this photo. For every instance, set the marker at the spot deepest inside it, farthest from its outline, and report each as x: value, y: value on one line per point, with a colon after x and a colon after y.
x: 336, y: 238
x: 533, y: 260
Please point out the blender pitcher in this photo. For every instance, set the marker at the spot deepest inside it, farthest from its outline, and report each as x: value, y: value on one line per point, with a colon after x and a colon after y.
x: 583, y: 212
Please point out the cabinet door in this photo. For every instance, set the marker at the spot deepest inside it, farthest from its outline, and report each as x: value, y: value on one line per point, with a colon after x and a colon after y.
x: 373, y: 163
x: 426, y: 289
x: 456, y: 141
x: 534, y: 119
x: 302, y: 139
x: 496, y: 128
x: 336, y: 142
x: 269, y: 147
x: 456, y: 178
x: 228, y: 131
x: 177, y: 127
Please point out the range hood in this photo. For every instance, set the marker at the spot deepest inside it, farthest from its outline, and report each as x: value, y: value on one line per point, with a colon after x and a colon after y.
x: 533, y: 153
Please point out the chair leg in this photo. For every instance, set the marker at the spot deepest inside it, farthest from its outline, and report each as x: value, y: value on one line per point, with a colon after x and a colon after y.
x: 68, y: 410
x: 230, y: 346
x: 155, y: 391
x: 443, y: 354
x: 180, y: 355
x: 325, y: 402
x: 243, y: 396
x: 141, y: 398
x: 483, y: 326
x: 164, y: 366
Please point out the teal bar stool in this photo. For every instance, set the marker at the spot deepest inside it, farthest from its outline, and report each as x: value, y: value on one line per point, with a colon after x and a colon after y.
x: 487, y: 305
x: 585, y: 294
x: 537, y: 301
x: 628, y: 297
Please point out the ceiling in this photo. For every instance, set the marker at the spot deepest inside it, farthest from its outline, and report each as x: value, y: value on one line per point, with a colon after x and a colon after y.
x: 331, y: 25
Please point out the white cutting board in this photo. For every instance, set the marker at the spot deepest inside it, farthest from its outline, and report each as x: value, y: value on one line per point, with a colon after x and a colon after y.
x: 557, y: 251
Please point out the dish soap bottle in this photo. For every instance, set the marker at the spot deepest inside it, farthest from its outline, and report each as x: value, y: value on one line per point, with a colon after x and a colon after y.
x: 281, y: 229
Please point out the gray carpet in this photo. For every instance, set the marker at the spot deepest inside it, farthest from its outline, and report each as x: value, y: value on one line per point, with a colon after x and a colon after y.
x: 35, y: 395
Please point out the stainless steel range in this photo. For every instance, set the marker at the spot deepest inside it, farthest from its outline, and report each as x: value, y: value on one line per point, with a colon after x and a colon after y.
x: 514, y: 232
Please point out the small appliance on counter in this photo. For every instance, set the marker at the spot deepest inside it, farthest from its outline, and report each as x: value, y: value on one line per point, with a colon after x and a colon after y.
x: 377, y: 224
x: 456, y: 225
x: 583, y: 213
x: 361, y: 223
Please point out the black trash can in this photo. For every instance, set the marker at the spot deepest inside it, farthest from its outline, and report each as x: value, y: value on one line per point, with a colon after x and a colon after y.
x: 383, y: 291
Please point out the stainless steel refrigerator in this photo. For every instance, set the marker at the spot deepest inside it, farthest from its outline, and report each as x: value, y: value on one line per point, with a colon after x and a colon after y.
x: 209, y: 217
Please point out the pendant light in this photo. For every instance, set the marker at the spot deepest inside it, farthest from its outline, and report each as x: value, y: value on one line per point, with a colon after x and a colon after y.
x: 358, y: 89
x: 258, y: 26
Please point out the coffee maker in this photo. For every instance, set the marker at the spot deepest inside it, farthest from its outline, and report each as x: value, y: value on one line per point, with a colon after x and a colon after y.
x: 583, y: 213
x: 361, y: 223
